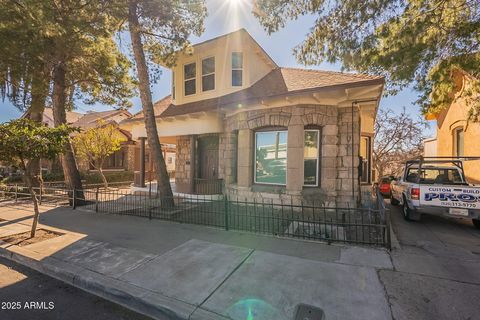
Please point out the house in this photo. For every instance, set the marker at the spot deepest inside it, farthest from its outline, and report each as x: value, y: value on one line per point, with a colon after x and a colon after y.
x: 248, y: 128
x: 121, y: 160
x: 455, y: 134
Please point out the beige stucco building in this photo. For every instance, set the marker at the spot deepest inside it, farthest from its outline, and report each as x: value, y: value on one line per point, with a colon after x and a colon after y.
x: 248, y: 128
x: 455, y: 134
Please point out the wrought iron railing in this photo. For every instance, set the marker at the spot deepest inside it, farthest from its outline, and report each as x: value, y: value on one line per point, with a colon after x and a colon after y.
x: 301, y: 220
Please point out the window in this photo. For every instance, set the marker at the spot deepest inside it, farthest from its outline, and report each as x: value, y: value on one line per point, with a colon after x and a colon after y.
x: 237, y: 69
x: 173, y: 85
x: 365, y: 165
x: 271, y: 157
x: 434, y: 176
x: 458, y: 134
x: 189, y: 74
x: 310, y: 157
x: 208, y: 74
x: 170, y: 160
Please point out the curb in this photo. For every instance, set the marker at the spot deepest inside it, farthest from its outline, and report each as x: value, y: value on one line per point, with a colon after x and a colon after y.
x: 138, y: 299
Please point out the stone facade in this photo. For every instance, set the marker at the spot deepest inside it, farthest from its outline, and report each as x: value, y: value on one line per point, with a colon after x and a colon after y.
x: 236, y: 155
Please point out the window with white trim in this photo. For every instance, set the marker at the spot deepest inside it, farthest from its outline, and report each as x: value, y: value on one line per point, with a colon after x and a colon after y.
x: 208, y: 74
x: 271, y: 157
x: 237, y: 69
x: 365, y: 158
x: 189, y: 76
x: 311, y: 152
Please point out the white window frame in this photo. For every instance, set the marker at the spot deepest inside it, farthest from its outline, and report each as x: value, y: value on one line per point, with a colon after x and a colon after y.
x: 318, y: 158
x: 237, y: 69
x: 368, y: 160
x: 189, y: 79
x: 208, y: 74
x: 255, y: 159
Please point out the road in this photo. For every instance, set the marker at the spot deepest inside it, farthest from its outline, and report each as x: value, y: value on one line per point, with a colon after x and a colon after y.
x: 437, y: 270
x: 39, y: 297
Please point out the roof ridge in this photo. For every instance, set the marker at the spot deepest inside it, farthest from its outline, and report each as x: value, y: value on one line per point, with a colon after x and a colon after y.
x: 332, y: 72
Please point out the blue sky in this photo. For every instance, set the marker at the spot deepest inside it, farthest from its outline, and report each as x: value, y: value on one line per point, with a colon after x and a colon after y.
x: 229, y: 15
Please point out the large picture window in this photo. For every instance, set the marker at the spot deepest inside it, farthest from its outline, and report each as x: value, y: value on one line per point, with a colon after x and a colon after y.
x: 208, y: 74
x: 271, y: 157
x: 189, y: 75
x: 365, y: 145
x: 311, y: 157
x: 237, y: 69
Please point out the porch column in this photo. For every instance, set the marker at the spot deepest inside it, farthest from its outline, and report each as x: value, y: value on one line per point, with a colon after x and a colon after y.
x: 142, y: 161
x: 193, y: 163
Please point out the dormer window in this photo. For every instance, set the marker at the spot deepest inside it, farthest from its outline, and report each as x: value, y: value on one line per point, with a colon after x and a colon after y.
x: 237, y: 69
x: 208, y: 74
x: 189, y: 76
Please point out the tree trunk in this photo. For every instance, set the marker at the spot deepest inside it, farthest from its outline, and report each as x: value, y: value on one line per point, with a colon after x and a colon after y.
x: 69, y: 164
x: 163, y: 180
x: 105, y: 182
x: 36, y: 212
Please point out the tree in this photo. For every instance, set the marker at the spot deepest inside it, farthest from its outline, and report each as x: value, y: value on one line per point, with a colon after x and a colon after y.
x: 24, y: 140
x: 161, y: 28
x: 398, y: 137
x: 95, y: 145
x: 409, y: 42
x: 64, y: 49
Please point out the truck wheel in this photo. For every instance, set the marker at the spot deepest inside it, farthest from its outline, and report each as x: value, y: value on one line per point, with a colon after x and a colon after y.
x: 476, y: 223
x: 406, y: 210
x: 393, y: 201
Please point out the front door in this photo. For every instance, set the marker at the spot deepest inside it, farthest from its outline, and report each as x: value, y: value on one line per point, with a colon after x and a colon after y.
x: 208, y: 157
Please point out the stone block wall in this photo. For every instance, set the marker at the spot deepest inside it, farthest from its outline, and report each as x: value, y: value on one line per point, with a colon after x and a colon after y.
x: 184, y: 165
x: 227, y: 165
x: 295, y: 119
x: 348, y: 194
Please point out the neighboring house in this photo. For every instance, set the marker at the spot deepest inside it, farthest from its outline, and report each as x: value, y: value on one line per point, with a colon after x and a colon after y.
x: 263, y: 131
x: 122, y: 160
x: 455, y: 135
x: 430, y: 147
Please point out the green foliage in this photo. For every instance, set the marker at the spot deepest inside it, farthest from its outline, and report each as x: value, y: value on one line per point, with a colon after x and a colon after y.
x: 96, y: 144
x: 166, y: 26
x: 409, y: 42
x: 23, y: 140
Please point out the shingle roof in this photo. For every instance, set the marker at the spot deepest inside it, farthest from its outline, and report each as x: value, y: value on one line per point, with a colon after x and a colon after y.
x: 158, y: 107
x: 279, y: 82
x: 71, y: 116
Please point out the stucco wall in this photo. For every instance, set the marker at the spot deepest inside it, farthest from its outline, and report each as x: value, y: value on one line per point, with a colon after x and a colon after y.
x: 447, y: 122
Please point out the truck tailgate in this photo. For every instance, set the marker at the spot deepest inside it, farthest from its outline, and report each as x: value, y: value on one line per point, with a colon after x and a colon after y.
x: 450, y: 196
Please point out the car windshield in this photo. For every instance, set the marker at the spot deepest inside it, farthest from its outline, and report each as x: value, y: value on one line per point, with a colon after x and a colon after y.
x: 385, y: 180
x: 435, y: 176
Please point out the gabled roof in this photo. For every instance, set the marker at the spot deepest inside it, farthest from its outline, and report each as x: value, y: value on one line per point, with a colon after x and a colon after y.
x: 244, y: 32
x: 48, y: 116
x: 91, y: 119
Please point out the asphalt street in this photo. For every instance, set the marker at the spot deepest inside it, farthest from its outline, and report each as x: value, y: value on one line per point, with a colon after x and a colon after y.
x: 28, y: 295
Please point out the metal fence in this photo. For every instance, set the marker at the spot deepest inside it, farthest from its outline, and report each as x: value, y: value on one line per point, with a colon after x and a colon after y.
x: 303, y: 220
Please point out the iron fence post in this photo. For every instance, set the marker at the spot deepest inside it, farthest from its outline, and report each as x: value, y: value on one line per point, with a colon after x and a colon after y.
x: 96, y: 200
x: 74, y: 204
x: 226, y: 211
x: 387, y: 225
x: 16, y: 193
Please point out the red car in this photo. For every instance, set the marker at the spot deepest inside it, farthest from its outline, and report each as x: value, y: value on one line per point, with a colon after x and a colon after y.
x: 384, y: 186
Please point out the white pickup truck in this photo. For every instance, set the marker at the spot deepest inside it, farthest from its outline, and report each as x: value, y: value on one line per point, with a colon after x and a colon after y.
x: 436, y: 186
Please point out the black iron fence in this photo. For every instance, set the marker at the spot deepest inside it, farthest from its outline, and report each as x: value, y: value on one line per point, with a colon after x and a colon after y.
x: 303, y: 220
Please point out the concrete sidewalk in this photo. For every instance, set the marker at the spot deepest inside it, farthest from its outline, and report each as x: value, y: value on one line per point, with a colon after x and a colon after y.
x: 175, y: 271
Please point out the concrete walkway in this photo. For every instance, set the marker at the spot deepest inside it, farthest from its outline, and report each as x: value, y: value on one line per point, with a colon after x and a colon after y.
x: 176, y: 271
